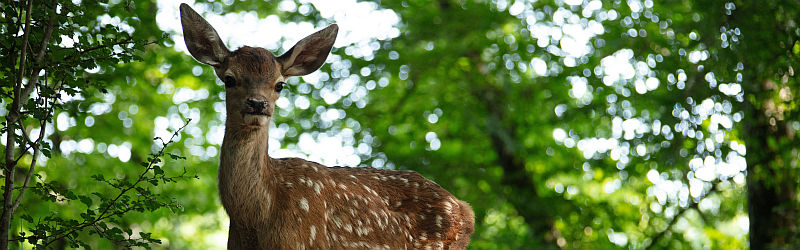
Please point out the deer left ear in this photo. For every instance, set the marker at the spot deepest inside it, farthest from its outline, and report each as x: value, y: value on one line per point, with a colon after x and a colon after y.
x: 201, y: 39
x: 310, y: 53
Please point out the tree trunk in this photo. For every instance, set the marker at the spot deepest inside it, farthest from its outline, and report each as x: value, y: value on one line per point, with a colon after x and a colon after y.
x: 526, y: 200
x: 769, y: 32
x: 771, y: 188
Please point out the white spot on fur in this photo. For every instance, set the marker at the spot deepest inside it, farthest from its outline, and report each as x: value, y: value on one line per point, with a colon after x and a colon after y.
x: 337, y: 222
x: 317, y: 188
x: 448, y: 207
x: 304, y: 204
x: 313, y: 235
x: 439, y: 221
x: 269, y: 200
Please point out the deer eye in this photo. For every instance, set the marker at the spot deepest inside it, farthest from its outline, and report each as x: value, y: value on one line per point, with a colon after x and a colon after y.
x: 279, y: 86
x: 229, y: 81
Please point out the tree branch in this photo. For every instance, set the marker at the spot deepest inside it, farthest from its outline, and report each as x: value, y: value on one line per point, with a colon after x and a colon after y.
x: 105, y: 214
x: 116, y: 42
x: 11, y: 119
x: 35, y: 156
x: 32, y: 83
x: 674, y: 219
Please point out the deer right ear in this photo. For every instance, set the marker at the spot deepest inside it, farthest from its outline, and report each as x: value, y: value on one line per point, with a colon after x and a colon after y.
x: 309, y: 53
x: 201, y: 39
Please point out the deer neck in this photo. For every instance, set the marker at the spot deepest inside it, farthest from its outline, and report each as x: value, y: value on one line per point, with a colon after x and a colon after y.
x: 244, y: 167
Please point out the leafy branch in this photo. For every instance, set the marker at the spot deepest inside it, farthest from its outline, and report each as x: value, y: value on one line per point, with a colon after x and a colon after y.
x: 53, y: 229
x: 12, y: 117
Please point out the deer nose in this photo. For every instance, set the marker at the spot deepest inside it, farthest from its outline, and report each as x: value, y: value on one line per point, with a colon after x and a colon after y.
x: 257, y: 104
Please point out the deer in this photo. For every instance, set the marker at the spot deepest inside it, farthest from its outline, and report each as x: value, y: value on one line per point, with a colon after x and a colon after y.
x: 292, y: 203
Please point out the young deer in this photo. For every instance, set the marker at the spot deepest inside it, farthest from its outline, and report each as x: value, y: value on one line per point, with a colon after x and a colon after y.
x: 292, y: 203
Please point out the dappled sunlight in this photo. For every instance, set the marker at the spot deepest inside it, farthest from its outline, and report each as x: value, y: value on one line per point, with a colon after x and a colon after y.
x: 581, y: 124
x: 635, y: 133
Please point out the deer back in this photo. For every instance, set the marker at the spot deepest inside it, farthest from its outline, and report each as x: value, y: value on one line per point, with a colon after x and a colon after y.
x: 365, y: 208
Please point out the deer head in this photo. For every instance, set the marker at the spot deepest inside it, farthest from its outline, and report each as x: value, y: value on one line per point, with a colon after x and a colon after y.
x: 253, y: 77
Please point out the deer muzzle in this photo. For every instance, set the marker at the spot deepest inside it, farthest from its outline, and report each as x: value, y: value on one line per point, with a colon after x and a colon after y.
x: 257, y: 107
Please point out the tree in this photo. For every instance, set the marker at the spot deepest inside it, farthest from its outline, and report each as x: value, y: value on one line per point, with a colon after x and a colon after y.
x: 771, y: 47
x: 56, y: 55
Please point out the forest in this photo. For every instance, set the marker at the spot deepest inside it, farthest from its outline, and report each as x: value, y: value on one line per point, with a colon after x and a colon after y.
x: 565, y: 124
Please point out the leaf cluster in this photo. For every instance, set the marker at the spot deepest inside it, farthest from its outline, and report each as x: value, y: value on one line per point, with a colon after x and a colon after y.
x: 56, y: 54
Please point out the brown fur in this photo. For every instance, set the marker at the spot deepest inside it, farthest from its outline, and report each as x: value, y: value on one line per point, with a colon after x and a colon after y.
x: 292, y: 203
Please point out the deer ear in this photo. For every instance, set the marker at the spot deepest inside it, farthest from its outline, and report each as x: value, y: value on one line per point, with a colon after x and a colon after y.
x: 201, y: 39
x: 310, y: 53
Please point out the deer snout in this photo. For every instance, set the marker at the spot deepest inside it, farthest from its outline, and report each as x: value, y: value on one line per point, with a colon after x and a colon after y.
x: 257, y: 107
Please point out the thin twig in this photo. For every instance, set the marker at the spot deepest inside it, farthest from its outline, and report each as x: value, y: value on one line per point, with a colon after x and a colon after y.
x: 105, y: 214
x: 117, y: 42
x: 28, y: 144
x: 32, y: 83
x: 67, y: 59
x: 35, y: 156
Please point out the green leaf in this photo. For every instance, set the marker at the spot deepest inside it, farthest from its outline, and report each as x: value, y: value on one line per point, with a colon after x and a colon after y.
x: 98, y: 177
x: 157, y: 170
x: 46, y: 152
x: 27, y: 217
x: 86, y: 200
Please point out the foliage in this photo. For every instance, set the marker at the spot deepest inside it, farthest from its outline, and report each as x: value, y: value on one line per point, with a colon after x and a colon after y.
x: 132, y: 195
x: 56, y: 56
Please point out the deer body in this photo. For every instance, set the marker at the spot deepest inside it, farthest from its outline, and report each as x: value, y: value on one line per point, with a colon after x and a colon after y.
x: 292, y: 203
